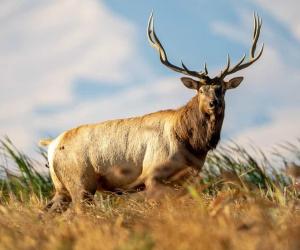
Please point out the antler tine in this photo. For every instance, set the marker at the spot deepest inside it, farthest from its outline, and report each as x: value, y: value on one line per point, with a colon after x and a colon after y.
x: 154, y: 41
x: 227, y: 65
x: 205, y: 68
x: 254, y: 24
x: 189, y: 72
x: 241, y: 65
x: 257, y: 28
x: 236, y: 66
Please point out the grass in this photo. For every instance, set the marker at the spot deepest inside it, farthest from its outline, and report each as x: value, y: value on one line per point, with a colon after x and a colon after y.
x: 239, y: 202
x: 20, y: 179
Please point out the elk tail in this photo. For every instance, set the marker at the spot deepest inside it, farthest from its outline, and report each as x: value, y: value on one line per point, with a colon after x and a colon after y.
x: 45, y: 142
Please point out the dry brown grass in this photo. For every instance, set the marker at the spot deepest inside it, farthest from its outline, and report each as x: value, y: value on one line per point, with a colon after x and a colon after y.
x: 232, y: 219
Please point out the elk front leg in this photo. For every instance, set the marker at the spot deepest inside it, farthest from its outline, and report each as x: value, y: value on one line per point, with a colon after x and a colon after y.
x: 163, y: 179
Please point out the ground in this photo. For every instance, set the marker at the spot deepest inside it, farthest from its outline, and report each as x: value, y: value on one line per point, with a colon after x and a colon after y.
x: 232, y: 219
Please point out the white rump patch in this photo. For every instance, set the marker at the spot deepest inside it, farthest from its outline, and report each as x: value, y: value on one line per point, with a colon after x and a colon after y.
x: 52, y: 148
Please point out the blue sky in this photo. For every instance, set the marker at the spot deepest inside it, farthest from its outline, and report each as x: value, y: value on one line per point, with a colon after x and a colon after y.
x: 66, y: 63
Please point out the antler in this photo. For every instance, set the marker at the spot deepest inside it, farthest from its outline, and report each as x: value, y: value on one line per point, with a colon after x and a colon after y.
x: 241, y: 64
x: 154, y: 41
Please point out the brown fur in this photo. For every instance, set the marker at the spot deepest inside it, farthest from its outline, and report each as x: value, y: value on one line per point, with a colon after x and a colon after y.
x: 121, y: 155
x: 198, y: 131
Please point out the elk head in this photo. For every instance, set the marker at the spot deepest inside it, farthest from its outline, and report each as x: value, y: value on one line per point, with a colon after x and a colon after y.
x: 210, y: 90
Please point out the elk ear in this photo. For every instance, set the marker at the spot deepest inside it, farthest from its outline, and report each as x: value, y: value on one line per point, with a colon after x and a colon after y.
x: 234, y: 82
x: 190, y: 83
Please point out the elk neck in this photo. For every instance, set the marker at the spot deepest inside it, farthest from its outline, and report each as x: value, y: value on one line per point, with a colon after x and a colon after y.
x: 197, y: 131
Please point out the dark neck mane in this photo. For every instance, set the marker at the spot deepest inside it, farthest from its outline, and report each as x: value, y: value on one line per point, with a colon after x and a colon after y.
x: 198, y: 132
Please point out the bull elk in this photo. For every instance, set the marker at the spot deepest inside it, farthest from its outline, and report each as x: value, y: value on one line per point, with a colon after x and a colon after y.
x: 148, y: 150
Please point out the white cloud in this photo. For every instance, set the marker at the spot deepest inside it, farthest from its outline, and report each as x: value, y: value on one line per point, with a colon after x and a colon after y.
x: 238, y: 32
x: 45, y: 45
x: 284, y: 128
x: 286, y: 12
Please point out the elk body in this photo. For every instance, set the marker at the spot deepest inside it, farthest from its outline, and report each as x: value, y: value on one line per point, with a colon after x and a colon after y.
x: 148, y: 150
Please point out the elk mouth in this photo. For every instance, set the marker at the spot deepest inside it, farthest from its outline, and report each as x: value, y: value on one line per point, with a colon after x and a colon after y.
x: 216, y: 110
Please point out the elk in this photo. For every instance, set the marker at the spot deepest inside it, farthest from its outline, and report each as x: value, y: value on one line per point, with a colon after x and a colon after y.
x: 149, y: 150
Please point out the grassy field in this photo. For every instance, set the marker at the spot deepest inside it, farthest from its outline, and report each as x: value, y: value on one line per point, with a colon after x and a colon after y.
x: 239, y: 202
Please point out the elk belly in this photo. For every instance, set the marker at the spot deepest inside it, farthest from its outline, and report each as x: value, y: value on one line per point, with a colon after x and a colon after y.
x: 118, y: 177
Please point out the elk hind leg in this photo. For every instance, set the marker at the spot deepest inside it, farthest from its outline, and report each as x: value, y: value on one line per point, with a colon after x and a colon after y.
x: 82, y: 188
x: 61, y: 200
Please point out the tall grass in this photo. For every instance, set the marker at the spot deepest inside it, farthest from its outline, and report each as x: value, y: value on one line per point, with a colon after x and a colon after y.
x: 20, y: 178
x: 228, y: 167
x: 234, y: 167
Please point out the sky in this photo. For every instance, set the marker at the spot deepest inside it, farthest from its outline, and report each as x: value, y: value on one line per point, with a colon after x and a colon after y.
x: 65, y: 63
